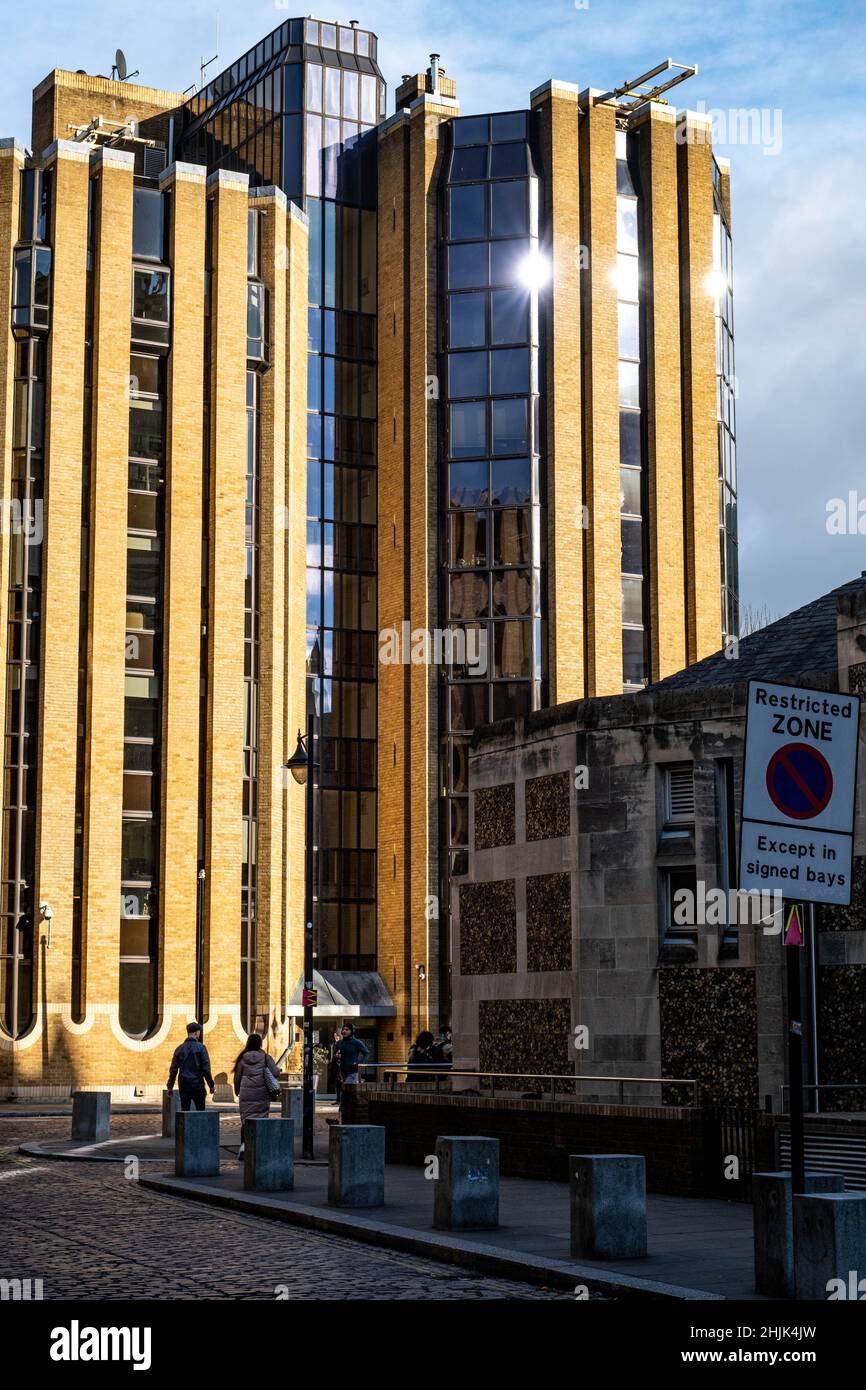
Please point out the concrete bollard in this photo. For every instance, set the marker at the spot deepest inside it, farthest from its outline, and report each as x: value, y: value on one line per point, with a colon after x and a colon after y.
x: 356, y: 1166
x: 170, y: 1107
x: 829, y: 1244
x: 197, y: 1144
x: 608, y: 1206
x: 774, y: 1227
x: 269, y: 1155
x: 91, y: 1115
x: 292, y: 1106
x: 466, y: 1190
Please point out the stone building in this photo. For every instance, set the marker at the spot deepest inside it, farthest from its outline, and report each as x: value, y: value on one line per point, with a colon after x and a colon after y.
x: 283, y: 377
x: 585, y: 820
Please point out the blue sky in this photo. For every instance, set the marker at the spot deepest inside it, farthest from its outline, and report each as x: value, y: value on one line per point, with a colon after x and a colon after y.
x: 799, y: 213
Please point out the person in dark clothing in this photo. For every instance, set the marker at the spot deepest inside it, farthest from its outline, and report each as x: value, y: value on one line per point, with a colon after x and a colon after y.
x: 422, y: 1056
x: 443, y: 1051
x: 252, y: 1087
x: 349, y: 1052
x: 191, y: 1066
x: 335, y: 1083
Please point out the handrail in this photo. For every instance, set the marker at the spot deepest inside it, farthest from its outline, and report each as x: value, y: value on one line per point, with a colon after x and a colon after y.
x: 419, y: 1070
x: 818, y: 1087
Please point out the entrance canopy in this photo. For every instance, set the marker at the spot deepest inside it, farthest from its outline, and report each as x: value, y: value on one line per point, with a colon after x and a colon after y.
x: 346, y: 994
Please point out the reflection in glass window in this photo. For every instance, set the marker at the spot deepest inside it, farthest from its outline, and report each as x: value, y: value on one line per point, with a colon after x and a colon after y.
x: 509, y: 316
x: 634, y: 661
x: 627, y: 276
x: 508, y: 262
x: 147, y: 223
x: 470, y: 130
x: 628, y: 319
x: 508, y: 125
x: 368, y: 99
x: 332, y: 91
x: 509, y: 209
x: 632, y: 546
x: 511, y: 482
x: 469, y: 165
x: 313, y: 87
x: 467, y: 265
x: 509, y: 373
x: 467, y: 537
x: 150, y: 295
x: 629, y: 491
x: 466, y: 320
x: 509, y: 160
x: 511, y: 537
x: 629, y: 438
x: 467, y: 429
x: 466, y: 212
x: 511, y: 649
x: 350, y: 95
x: 468, y: 484
x: 467, y: 374
x: 509, y: 424
x: 626, y: 225
x: 629, y: 384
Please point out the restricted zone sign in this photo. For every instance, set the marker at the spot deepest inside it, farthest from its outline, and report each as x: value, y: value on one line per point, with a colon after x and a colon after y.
x: 799, y: 780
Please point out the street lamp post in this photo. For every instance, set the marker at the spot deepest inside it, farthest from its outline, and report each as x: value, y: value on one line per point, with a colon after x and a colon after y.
x: 302, y: 767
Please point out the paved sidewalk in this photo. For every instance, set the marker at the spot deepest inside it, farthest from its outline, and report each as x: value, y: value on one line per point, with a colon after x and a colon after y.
x: 89, y: 1231
x: 697, y: 1249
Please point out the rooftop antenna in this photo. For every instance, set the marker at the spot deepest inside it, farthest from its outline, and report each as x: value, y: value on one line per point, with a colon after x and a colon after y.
x: 203, y: 66
x: 629, y: 96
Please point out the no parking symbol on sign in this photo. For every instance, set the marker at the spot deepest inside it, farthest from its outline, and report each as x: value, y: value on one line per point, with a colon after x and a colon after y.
x: 799, y: 782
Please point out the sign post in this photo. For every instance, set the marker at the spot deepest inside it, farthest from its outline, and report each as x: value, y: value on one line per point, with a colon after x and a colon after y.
x: 797, y: 830
x: 792, y: 940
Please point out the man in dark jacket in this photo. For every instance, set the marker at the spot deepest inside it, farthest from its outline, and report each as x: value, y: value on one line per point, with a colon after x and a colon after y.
x: 349, y: 1052
x: 191, y: 1065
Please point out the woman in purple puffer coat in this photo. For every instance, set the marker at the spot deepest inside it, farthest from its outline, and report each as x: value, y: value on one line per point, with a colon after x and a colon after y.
x: 251, y: 1088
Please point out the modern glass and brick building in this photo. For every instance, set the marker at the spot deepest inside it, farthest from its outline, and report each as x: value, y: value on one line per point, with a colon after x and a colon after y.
x: 427, y: 417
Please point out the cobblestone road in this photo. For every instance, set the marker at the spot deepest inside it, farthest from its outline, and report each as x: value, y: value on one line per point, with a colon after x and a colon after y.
x: 90, y: 1233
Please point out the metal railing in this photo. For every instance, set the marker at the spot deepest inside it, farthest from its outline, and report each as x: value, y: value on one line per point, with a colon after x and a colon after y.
x: 817, y: 1088
x: 544, y: 1082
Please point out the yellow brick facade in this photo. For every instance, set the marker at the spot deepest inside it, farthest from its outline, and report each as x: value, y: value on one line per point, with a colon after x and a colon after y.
x: 202, y: 686
x: 62, y: 1049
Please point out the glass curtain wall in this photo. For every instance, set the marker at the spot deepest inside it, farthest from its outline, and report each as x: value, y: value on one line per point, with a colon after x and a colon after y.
x: 298, y: 111
x: 257, y: 334
x: 632, y: 472
x: 723, y: 276
x: 340, y: 108
x: 139, y: 891
x: 494, y: 663
x: 22, y: 517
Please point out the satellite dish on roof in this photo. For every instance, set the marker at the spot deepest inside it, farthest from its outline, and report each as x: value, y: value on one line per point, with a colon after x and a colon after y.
x: 120, y: 64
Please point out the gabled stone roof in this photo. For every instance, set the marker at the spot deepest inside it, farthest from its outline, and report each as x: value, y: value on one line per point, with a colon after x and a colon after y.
x: 800, y: 645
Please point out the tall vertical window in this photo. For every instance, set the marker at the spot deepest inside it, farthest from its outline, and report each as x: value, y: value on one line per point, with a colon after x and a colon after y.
x: 341, y: 105
x: 635, y: 669
x: 723, y: 289
x: 30, y: 322
x: 248, y: 950
x: 491, y: 578
x: 139, y: 892
x: 299, y: 111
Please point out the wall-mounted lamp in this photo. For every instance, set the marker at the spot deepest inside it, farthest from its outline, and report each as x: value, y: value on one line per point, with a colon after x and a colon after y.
x: 46, y: 912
